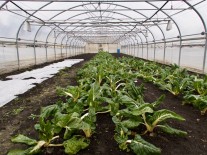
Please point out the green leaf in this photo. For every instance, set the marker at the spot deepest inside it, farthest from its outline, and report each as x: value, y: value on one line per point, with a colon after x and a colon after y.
x: 71, y: 121
x: 23, y: 152
x: 24, y: 139
x: 131, y: 123
x: 190, y: 98
x: 86, y: 129
x: 171, y: 130
x: 49, y: 110
x: 125, y: 112
x: 142, y: 147
x: 115, y: 119
x: 18, y: 152
x: 75, y: 144
x: 128, y: 100
x: 114, y: 107
x: 134, y: 91
x: 144, y: 108
x: 68, y: 133
x: 121, y: 140
x: 158, y: 101
x: 46, y: 130
x: 131, y: 103
x: 164, y: 114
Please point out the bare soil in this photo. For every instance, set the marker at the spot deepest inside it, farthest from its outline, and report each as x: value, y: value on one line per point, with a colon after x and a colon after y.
x: 14, y: 119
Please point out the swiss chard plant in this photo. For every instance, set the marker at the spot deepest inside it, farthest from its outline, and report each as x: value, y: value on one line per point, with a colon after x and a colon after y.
x: 71, y: 121
x: 140, y: 115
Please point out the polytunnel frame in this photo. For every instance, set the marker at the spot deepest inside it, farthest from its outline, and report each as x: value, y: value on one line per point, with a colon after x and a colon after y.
x: 103, y: 16
x: 147, y: 18
x: 92, y: 11
x: 83, y: 19
x: 159, y: 9
x: 89, y: 27
x: 112, y: 12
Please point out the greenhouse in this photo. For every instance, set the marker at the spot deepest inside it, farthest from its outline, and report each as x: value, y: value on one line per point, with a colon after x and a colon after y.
x: 103, y: 77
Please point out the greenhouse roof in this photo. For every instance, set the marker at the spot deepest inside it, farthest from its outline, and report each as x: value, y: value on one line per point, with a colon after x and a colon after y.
x: 78, y: 22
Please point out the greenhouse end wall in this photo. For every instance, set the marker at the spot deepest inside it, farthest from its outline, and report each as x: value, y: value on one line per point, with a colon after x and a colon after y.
x: 94, y: 48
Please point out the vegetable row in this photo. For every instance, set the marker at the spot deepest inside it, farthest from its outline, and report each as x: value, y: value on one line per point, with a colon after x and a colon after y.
x: 176, y: 80
x: 71, y: 122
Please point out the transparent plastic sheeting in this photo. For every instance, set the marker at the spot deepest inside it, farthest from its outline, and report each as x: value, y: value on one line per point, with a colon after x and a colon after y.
x: 21, y: 83
x: 42, y: 31
x: 191, y: 57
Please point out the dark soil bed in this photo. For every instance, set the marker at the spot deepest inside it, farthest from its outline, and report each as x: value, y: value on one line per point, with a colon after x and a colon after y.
x: 14, y: 119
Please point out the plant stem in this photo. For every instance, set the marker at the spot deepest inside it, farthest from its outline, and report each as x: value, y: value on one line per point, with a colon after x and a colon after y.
x: 55, y: 137
x: 85, y: 110
x: 103, y: 112
x: 86, y: 114
x: 55, y: 145
x: 150, y: 129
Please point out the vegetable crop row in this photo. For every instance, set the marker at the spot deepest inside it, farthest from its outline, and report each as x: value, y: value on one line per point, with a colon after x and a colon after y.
x: 174, y: 79
x: 71, y: 122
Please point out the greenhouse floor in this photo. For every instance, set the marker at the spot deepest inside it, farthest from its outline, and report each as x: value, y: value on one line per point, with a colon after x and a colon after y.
x: 15, y: 118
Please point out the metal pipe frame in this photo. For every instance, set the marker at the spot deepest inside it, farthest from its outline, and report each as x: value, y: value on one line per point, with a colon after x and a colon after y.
x: 126, y: 40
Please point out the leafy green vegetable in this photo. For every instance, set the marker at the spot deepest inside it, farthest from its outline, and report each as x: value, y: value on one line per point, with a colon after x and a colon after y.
x: 141, y: 147
x: 75, y: 144
x: 162, y: 115
x: 23, y: 152
x: 166, y: 128
x: 24, y: 139
x: 105, y: 88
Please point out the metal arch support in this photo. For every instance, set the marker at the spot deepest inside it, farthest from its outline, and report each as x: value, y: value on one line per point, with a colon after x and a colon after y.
x: 62, y: 44
x: 125, y: 46
x: 164, y: 39
x: 55, y: 27
x: 180, y: 38
x: 72, y: 38
x: 112, y: 12
x: 67, y: 46
x: 75, y: 45
x: 83, y: 28
x: 137, y: 45
x: 35, y: 42
x: 142, y: 45
x: 148, y: 29
x: 64, y: 20
x: 105, y: 11
x: 129, y: 45
x: 145, y: 27
x: 137, y: 13
x: 132, y: 45
x: 180, y: 35
x: 205, y: 28
x: 72, y: 43
x: 17, y: 35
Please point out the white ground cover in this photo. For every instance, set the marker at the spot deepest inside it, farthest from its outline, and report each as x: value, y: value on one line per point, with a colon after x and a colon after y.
x: 20, y: 83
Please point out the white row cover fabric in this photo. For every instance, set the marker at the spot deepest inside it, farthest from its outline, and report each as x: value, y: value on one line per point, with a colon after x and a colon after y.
x: 21, y: 83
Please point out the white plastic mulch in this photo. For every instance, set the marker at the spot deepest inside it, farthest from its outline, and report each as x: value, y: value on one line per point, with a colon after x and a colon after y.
x: 21, y: 83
